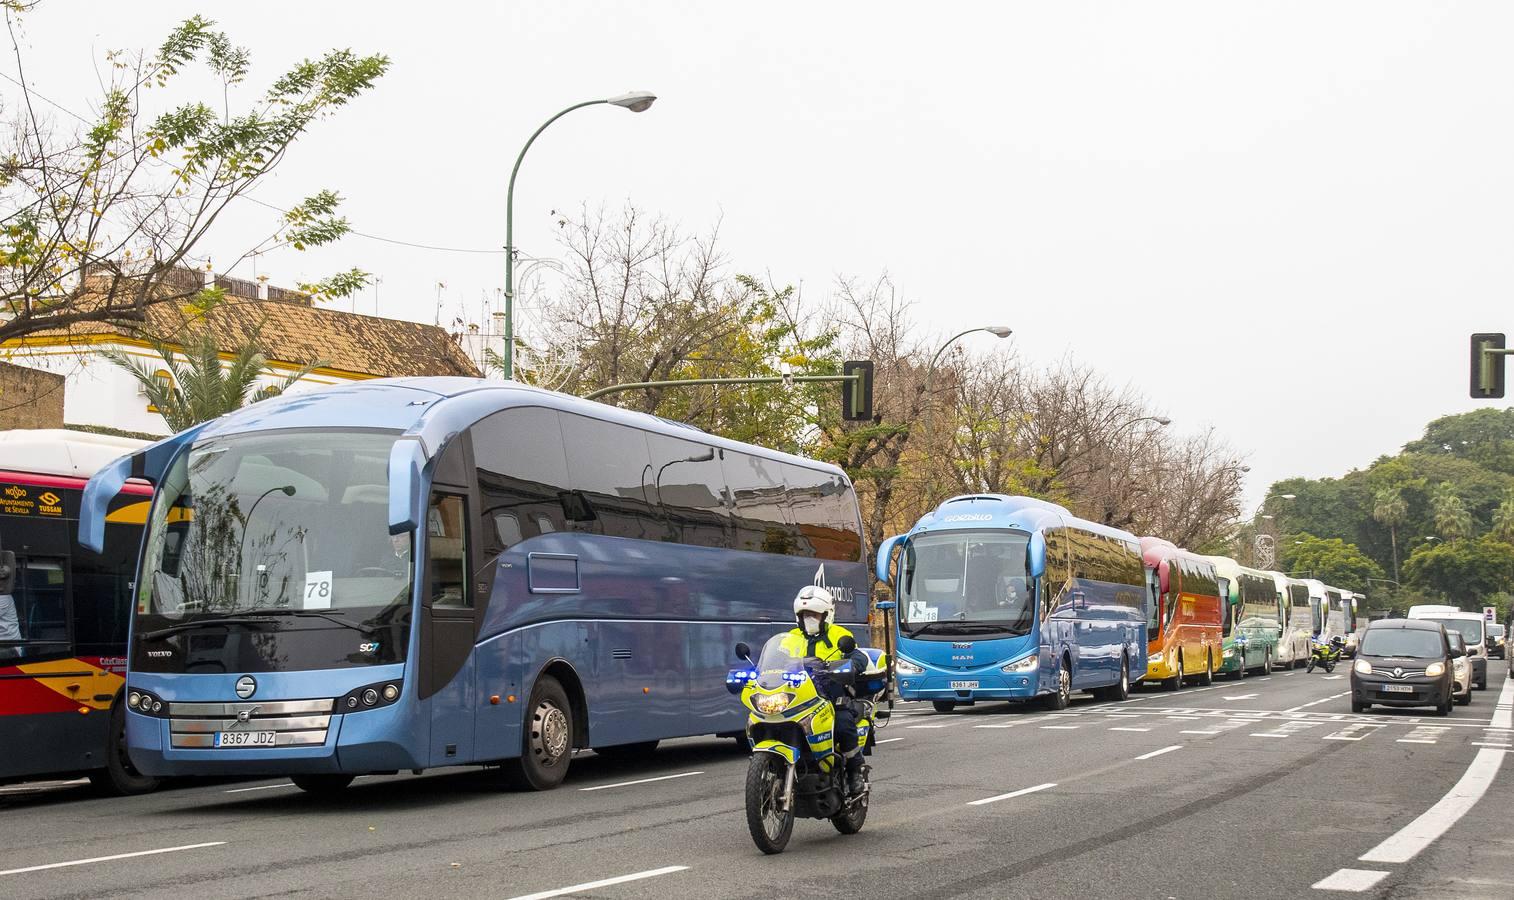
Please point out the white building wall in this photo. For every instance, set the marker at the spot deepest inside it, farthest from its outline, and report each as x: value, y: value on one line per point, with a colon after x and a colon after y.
x: 97, y: 392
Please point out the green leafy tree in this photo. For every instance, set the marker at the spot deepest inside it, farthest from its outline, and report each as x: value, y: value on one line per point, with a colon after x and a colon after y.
x: 1503, y: 519
x: 1331, y: 560
x: 201, y: 386
x: 95, y: 222
x: 1389, y: 509
x: 1452, y: 520
x: 1464, y: 572
x: 1483, y: 436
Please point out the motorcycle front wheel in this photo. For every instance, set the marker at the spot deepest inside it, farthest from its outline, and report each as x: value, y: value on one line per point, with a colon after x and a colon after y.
x: 1309, y: 668
x: 769, y: 825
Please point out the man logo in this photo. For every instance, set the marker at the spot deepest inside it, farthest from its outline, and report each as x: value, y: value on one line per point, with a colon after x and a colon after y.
x: 49, y: 499
x: 246, y: 686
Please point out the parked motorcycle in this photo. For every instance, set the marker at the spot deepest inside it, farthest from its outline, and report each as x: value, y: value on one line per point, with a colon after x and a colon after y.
x: 796, y: 769
x: 1326, y: 653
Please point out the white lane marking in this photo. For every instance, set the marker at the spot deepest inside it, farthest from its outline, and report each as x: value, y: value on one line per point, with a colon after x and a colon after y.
x: 930, y: 726
x: 1059, y: 727
x: 1319, y: 701
x: 1489, y: 744
x: 889, y: 740
x: 1006, y: 725
x: 1130, y: 729
x: 1020, y: 793
x: 1183, y: 718
x: 1270, y: 734
x: 621, y: 784
x: 1435, y: 821
x: 261, y: 787
x: 99, y: 859
x: 1243, y: 697
x: 1355, y: 732
x: 1411, y: 741
x: 1160, y: 752
x: 1332, y: 677
x: 1354, y: 880
x: 1503, y: 708
x: 606, y: 882
x: 1198, y: 732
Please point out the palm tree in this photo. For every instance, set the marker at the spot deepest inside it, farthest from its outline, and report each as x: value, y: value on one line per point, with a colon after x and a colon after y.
x: 1503, y: 518
x: 1389, y: 509
x: 199, y: 386
x: 1452, y: 519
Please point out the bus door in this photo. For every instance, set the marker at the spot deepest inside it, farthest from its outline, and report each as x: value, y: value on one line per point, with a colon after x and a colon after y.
x: 448, y: 627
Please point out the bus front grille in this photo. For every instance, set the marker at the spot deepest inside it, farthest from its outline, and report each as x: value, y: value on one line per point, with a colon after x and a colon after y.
x: 294, y: 723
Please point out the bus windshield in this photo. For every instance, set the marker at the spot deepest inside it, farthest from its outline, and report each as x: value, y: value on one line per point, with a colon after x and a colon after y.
x: 278, y: 529
x: 967, y: 583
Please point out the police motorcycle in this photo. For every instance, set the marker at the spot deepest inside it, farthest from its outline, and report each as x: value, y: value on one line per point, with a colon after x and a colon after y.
x: 796, y: 769
x: 1326, y: 653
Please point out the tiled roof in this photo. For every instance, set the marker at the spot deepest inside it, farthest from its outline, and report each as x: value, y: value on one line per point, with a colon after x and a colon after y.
x: 294, y: 331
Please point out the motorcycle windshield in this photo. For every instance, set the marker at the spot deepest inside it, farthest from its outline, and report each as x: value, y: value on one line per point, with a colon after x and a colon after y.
x: 778, y: 665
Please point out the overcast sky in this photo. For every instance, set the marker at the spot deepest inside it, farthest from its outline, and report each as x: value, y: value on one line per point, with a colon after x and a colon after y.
x: 1280, y: 219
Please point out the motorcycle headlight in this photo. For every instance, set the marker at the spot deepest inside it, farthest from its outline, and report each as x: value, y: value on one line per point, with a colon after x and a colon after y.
x: 1027, y: 664
x: 1435, y: 670
x: 1363, y: 667
x: 771, y: 704
x: 905, y: 667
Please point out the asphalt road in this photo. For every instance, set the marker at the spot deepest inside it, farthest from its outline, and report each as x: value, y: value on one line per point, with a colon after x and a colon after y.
x: 1264, y: 787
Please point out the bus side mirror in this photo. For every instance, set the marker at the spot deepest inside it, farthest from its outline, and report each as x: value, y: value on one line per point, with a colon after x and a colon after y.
x: 847, y: 644
x: 885, y: 556
x: 7, y: 572
x: 1037, y: 553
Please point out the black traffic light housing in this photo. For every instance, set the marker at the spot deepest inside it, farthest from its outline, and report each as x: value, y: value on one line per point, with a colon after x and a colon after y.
x: 1487, y: 368
x: 857, y: 395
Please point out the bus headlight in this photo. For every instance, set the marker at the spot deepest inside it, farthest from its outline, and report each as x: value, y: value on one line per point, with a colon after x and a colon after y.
x: 772, y: 704
x: 904, y: 667
x: 1363, y: 667
x: 1027, y: 664
x: 1435, y: 670
x: 134, y: 700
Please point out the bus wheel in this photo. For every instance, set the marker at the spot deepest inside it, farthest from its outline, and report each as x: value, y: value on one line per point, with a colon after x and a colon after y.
x: 1208, y: 678
x: 1267, y: 661
x: 1062, y: 698
x: 547, y: 745
x: 943, y: 706
x: 119, y: 777
x: 1119, y: 692
x: 1175, y: 683
x: 322, y: 785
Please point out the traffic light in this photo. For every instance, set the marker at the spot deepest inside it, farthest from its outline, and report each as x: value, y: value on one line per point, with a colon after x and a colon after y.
x: 1487, y: 368
x: 857, y: 395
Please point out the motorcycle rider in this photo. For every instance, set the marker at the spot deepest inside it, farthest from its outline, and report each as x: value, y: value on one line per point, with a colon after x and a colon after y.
x: 817, y: 636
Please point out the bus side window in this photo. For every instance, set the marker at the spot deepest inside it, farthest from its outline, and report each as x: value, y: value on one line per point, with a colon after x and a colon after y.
x: 446, y: 551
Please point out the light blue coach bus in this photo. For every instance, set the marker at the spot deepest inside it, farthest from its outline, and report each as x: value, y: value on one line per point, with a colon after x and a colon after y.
x: 411, y: 573
x: 1012, y: 598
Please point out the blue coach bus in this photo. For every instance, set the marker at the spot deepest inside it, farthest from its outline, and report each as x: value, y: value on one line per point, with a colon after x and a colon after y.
x: 1012, y: 598
x: 412, y: 573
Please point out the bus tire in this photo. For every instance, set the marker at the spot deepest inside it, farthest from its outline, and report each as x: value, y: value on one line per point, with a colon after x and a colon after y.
x: 1175, y: 683
x: 1119, y: 692
x: 1267, y: 661
x: 322, y: 785
x: 1208, y: 668
x: 1061, y: 697
x: 120, y: 778
x: 547, y: 742
x: 943, y: 706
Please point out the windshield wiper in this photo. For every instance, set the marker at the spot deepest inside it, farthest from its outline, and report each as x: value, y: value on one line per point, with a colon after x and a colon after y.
x: 317, y: 614
x: 227, y: 619
x: 970, y: 627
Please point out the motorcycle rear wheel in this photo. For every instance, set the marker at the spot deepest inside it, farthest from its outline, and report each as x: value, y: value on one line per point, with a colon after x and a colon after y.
x: 1329, y: 667
x: 770, y: 827
x: 850, y: 819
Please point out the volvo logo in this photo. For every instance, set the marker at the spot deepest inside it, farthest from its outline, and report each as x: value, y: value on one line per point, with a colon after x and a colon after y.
x: 246, y: 686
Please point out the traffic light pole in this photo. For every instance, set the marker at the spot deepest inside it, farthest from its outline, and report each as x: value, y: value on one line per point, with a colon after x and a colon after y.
x: 680, y: 382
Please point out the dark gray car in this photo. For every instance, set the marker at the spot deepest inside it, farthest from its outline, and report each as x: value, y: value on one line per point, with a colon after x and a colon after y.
x: 1403, y: 662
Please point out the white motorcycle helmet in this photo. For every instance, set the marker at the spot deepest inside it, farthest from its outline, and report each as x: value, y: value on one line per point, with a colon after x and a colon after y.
x: 814, y: 606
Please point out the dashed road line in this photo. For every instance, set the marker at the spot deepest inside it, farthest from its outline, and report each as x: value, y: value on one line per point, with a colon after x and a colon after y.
x: 604, y: 882
x: 1353, y: 880
x: 112, y: 858
x: 1060, y: 727
x: 1130, y: 729
x: 1156, y: 753
x: 1020, y: 793
x: 621, y: 784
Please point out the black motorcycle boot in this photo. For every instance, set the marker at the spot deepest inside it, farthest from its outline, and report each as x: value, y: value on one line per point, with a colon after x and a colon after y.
x: 856, y: 780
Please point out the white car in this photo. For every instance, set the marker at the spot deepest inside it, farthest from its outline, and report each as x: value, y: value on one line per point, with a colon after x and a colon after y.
x: 1461, y: 669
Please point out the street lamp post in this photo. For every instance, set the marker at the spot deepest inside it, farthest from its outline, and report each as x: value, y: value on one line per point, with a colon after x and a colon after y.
x: 998, y: 331
x: 635, y: 101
